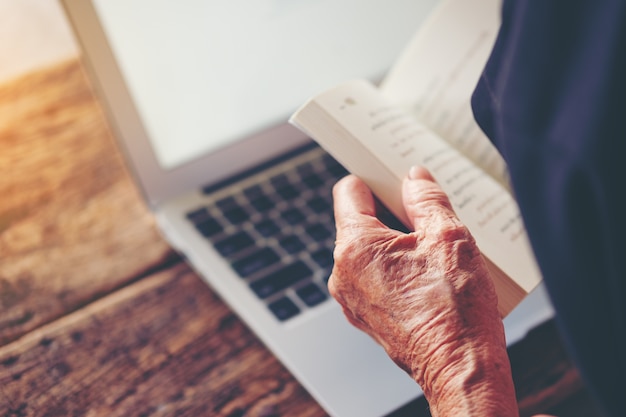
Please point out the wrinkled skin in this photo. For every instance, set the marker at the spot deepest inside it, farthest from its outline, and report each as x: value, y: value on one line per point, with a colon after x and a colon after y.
x: 426, y: 297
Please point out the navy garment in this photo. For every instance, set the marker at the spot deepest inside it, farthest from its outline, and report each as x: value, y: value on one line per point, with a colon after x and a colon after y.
x: 552, y: 98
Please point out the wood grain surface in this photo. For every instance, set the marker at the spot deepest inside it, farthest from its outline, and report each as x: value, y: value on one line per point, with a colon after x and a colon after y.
x: 162, y: 346
x: 72, y: 227
x: 98, y: 317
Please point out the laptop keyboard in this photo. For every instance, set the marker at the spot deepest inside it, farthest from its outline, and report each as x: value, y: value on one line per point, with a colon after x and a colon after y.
x: 278, y: 232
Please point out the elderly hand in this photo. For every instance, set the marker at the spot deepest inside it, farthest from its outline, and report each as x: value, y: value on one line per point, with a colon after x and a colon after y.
x: 426, y: 297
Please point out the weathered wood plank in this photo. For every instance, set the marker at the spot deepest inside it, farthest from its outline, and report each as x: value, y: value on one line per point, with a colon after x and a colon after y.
x: 72, y: 225
x: 165, y: 345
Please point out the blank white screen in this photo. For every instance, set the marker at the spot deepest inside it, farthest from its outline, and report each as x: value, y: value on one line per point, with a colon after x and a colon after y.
x: 206, y: 72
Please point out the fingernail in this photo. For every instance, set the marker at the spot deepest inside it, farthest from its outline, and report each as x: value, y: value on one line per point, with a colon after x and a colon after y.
x: 414, y: 172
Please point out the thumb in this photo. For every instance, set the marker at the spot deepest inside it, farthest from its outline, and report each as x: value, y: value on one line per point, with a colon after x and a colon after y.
x: 354, y: 206
x: 422, y: 195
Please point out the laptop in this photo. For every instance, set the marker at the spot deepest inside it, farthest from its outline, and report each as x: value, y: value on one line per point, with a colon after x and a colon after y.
x: 198, y: 94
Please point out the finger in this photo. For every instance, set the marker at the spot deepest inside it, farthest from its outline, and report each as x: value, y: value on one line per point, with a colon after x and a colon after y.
x: 353, y: 203
x: 422, y: 195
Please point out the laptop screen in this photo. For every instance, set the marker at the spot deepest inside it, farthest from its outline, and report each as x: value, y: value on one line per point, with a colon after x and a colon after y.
x: 206, y: 73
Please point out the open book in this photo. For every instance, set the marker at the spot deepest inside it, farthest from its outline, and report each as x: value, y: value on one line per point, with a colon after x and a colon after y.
x: 421, y: 115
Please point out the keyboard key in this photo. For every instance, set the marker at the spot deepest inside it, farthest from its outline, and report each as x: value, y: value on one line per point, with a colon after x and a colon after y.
x: 334, y: 167
x: 232, y: 210
x: 226, y: 203
x: 319, y: 205
x: 337, y: 171
x: 209, y: 227
x: 198, y: 215
x: 279, y: 180
x: 253, y: 192
x: 280, y: 280
x: 284, y: 188
x: 311, y: 294
x: 267, y: 228
x: 305, y: 169
x: 323, y: 257
x: 313, y: 181
x: 291, y: 244
x: 326, y: 274
x: 262, y: 204
x: 233, y: 244
x: 236, y: 215
x: 255, y: 262
x: 288, y: 192
x: 293, y: 216
x: 318, y: 232
x: 284, y: 309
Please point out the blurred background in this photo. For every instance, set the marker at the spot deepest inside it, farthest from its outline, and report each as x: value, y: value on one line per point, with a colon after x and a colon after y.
x: 34, y: 33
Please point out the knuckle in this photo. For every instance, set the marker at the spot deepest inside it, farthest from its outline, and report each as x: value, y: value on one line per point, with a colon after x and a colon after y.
x: 453, y: 230
x: 345, y: 254
x: 431, y: 196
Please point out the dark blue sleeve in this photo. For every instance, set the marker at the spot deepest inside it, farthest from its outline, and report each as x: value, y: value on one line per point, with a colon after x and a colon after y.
x: 553, y: 100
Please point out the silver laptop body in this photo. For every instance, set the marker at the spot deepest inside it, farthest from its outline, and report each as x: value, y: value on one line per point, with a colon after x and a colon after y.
x: 198, y: 94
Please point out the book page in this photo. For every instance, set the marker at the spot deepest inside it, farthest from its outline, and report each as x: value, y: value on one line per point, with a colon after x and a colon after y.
x: 438, y: 71
x: 379, y: 142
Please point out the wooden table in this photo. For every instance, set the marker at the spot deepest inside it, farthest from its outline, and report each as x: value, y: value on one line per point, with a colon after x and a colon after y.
x: 99, y: 317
